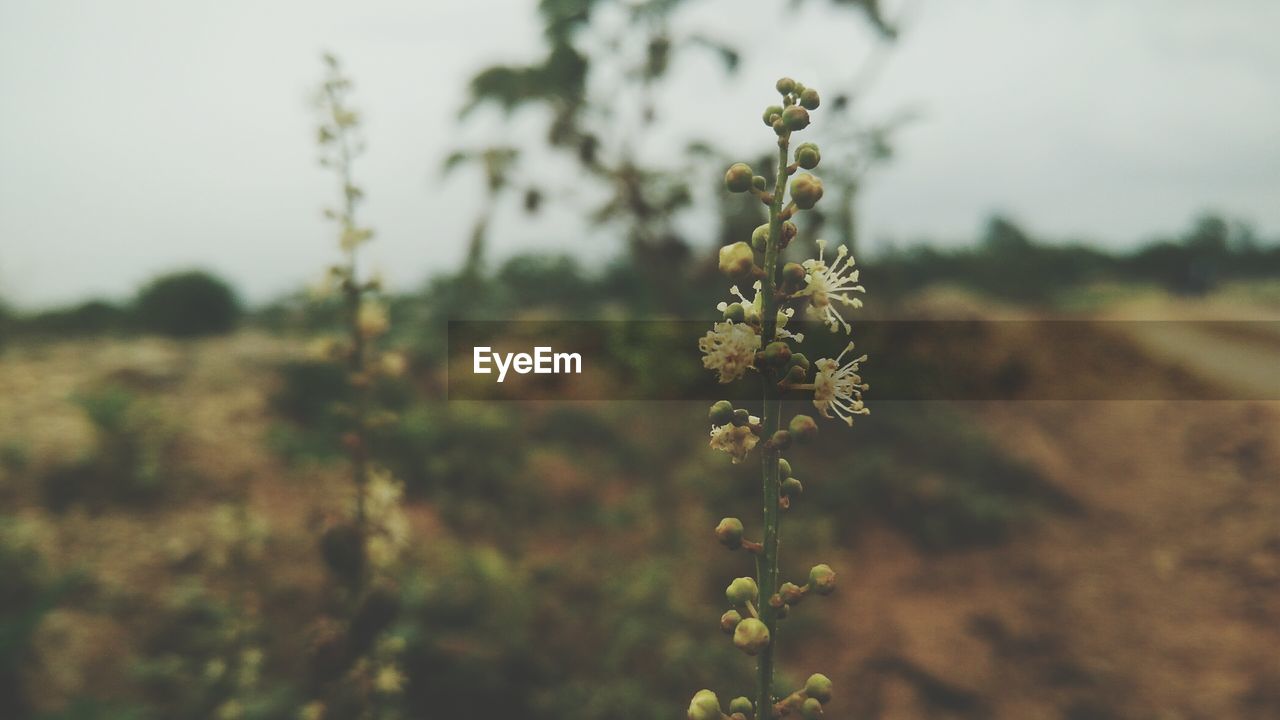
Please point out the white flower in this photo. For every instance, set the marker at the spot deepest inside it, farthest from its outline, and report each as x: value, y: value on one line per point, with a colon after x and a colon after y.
x: 729, y: 349
x: 826, y: 285
x: 839, y: 388
x: 752, y: 309
x: 737, y: 440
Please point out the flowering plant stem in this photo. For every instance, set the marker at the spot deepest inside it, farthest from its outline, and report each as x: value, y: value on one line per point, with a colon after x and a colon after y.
x: 754, y: 337
x: 771, y: 418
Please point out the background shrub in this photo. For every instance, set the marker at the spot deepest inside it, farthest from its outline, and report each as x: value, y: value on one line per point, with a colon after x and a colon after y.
x: 188, y: 304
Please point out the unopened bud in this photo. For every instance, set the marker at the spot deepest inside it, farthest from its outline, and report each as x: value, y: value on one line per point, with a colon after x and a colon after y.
x: 822, y: 579
x: 818, y: 687
x: 784, y: 467
x: 800, y: 360
x: 704, y: 706
x: 777, y: 353
x: 740, y: 417
x: 796, y: 375
x: 737, y: 260
x: 751, y: 636
x: 781, y: 440
x: 742, y: 591
x: 809, y: 99
x: 771, y: 113
x: 729, y: 533
x: 742, y: 705
x: 807, y: 156
x: 795, y: 118
x: 760, y: 238
x: 793, y: 274
x: 729, y: 621
x: 785, y: 85
x: 790, y: 593
x: 792, y: 488
x: 803, y: 428
x: 759, y: 183
x: 789, y: 231
x: 811, y: 709
x: 738, y: 178
x: 721, y: 413
x: 806, y: 191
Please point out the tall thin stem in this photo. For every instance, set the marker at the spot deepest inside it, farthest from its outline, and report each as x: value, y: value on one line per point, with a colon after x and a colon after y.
x: 771, y: 419
x: 353, y: 295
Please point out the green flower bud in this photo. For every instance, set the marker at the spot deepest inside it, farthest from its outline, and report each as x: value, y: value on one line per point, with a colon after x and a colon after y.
x: 741, y: 705
x: 729, y: 533
x: 811, y: 709
x: 807, y: 156
x: 721, y: 413
x: 791, y: 593
x: 789, y: 231
x: 738, y: 178
x: 806, y: 191
x: 777, y: 353
x: 735, y: 312
x: 809, y: 99
x: 822, y: 579
x: 742, y: 591
x: 786, y: 85
x: 760, y: 237
x: 818, y: 687
x: 799, y: 88
x: 729, y: 621
x: 740, y: 417
x: 800, y: 360
x: 796, y: 375
x: 771, y: 113
x: 751, y: 636
x: 795, y: 118
x: 793, y: 274
x: 791, y: 488
x: 803, y: 428
x: 784, y: 467
x: 781, y: 439
x: 759, y: 183
x: 704, y: 706
x: 737, y: 260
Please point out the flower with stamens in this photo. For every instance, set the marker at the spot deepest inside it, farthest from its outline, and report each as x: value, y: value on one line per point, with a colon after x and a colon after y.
x: 737, y: 440
x: 729, y: 349
x: 752, y: 308
x: 828, y: 284
x: 839, y: 388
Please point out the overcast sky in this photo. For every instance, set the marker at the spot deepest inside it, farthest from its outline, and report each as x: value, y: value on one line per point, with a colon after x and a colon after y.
x: 137, y: 137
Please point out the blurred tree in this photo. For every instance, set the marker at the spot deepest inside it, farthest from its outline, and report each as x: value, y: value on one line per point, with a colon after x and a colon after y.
x: 187, y: 304
x: 599, y: 80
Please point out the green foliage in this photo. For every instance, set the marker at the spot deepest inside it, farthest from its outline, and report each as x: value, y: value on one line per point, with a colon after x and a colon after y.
x: 27, y: 593
x: 187, y: 304
x: 134, y: 460
x: 1010, y: 264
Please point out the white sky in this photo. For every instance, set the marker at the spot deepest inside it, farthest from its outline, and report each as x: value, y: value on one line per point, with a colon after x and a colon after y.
x: 142, y: 136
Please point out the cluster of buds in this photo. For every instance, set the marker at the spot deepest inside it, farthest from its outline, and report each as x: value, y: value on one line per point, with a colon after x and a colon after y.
x: 752, y: 339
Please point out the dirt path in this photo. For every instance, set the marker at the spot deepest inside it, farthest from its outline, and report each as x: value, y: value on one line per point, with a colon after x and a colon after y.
x: 1160, y: 600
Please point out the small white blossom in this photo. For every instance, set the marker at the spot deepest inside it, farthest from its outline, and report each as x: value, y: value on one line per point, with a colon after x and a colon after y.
x: 839, y: 388
x: 828, y: 284
x: 737, y: 440
x: 729, y: 349
x: 753, y: 308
